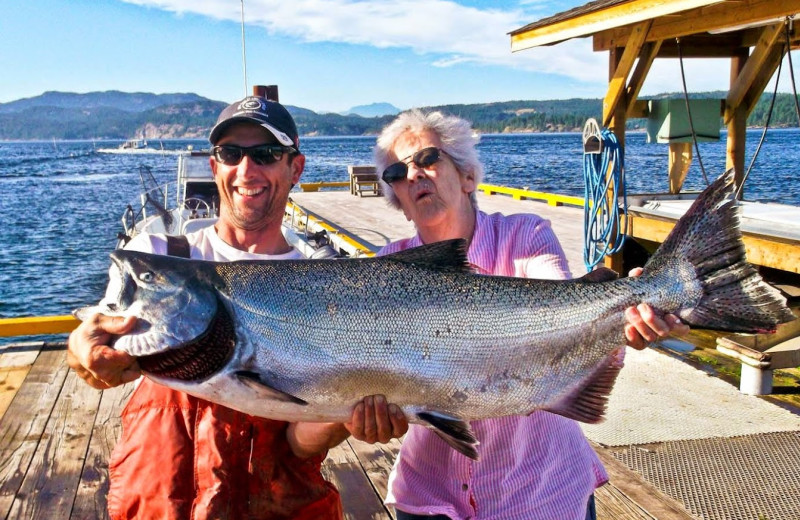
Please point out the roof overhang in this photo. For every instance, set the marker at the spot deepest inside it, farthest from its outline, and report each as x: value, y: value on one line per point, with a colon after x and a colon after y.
x: 610, y: 21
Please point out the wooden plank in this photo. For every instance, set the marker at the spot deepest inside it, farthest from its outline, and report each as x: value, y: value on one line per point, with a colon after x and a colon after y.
x: 612, y: 504
x: 50, y: 484
x: 343, y: 469
x: 719, y: 16
x: 22, y: 426
x: 377, y: 461
x: 760, y: 251
x: 11, y: 380
x: 592, y: 22
x: 91, y: 500
x: 15, y: 363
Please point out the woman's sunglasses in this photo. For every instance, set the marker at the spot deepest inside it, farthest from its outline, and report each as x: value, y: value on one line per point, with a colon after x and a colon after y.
x: 262, y: 154
x: 424, y: 158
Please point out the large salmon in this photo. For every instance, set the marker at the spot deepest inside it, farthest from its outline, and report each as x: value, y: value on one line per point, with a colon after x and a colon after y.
x: 305, y: 340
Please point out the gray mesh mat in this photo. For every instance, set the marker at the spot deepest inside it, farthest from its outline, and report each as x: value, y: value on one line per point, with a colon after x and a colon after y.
x: 750, y: 477
x: 659, y: 398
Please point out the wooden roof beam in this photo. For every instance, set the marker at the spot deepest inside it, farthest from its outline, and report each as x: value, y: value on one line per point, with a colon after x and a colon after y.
x: 588, y: 23
x: 646, y: 58
x: 753, y: 71
x: 617, y: 85
x: 767, y: 70
x: 716, y: 17
x: 705, y: 46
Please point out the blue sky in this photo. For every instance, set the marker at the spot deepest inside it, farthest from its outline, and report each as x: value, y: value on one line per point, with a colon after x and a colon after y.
x: 326, y: 55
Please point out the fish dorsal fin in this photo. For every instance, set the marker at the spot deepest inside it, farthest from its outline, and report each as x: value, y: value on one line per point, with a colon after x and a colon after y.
x: 588, y: 403
x: 453, y: 431
x: 265, y: 391
x: 444, y: 255
x: 601, y: 274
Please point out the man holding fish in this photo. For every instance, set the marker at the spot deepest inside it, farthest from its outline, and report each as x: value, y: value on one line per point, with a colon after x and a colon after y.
x: 183, y: 457
x: 531, y: 467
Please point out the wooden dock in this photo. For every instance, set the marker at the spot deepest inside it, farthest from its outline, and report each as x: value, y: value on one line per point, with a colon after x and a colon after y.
x: 56, y: 433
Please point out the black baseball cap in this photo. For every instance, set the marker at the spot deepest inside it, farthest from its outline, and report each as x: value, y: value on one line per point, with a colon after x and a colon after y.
x: 269, y: 114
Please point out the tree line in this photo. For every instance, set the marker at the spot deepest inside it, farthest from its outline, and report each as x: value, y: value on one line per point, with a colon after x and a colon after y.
x: 195, y: 119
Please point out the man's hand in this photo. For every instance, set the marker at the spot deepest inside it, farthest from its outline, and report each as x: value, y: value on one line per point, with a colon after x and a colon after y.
x: 374, y: 420
x: 645, y: 326
x: 89, y: 355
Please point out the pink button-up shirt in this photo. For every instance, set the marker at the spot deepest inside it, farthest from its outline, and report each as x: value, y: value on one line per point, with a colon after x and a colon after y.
x: 534, y: 467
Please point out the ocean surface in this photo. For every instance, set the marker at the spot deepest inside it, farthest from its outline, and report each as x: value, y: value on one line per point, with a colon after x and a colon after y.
x: 61, y: 202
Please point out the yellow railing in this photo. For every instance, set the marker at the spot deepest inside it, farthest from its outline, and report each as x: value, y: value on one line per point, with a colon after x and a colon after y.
x: 316, y: 186
x: 553, y: 199
x: 300, y: 215
x: 31, y: 326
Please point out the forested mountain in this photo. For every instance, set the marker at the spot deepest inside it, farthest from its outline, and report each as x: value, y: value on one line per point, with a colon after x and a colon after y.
x: 120, y: 115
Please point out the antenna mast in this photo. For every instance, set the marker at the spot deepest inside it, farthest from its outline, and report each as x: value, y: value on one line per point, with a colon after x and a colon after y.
x: 244, y: 53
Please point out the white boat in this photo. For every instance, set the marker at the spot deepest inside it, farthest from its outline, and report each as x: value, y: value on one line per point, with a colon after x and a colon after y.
x: 140, y: 146
x: 191, y: 203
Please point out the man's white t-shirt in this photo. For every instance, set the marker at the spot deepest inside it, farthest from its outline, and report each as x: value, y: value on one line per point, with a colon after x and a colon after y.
x: 205, y: 245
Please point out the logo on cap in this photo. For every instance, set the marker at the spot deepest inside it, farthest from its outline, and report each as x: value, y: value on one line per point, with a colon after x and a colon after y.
x: 251, y: 104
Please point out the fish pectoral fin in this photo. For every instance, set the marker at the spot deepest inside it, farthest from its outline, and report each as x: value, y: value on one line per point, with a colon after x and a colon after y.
x: 453, y: 431
x: 601, y: 274
x: 254, y: 381
x: 588, y: 403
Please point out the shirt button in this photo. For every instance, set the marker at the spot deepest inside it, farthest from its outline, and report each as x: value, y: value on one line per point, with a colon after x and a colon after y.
x: 464, y: 487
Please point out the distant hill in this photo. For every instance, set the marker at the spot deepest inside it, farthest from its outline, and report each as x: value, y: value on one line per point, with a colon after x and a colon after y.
x: 108, y: 115
x: 373, y: 110
x: 128, y: 102
x: 121, y: 115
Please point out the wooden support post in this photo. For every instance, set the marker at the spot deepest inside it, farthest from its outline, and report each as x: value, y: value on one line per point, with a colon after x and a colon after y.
x: 680, y: 158
x: 615, y: 116
x: 617, y: 103
x: 736, y: 120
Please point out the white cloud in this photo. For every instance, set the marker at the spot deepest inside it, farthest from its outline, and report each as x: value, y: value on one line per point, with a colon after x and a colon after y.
x: 448, y: 33
x: 444, y: 32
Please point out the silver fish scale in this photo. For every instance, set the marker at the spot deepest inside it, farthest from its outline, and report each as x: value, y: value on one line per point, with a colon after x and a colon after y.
x: 421, y: 335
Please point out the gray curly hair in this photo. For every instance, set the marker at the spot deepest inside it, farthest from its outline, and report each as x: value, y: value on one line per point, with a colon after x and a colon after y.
x: 457, y: 137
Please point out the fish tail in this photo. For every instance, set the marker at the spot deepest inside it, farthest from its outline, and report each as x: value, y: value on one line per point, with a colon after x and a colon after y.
x: 734, y: 297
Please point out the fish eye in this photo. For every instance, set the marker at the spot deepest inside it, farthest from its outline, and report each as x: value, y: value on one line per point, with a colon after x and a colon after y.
x: 147, y: 277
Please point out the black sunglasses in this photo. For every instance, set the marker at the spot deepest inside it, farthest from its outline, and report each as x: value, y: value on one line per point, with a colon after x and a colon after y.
x: 424, y: 158
x: 261, y: 154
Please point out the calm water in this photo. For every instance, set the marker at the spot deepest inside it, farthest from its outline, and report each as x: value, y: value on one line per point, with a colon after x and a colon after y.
x: 60, y: 203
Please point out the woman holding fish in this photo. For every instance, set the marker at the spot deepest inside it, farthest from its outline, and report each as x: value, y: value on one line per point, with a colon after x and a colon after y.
x: 533, y: 467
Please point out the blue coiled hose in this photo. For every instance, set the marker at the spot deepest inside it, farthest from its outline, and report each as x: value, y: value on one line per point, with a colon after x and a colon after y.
x: 601, y: 222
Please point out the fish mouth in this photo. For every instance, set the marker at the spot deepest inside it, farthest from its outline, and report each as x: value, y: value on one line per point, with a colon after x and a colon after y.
x: 198, y: 359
